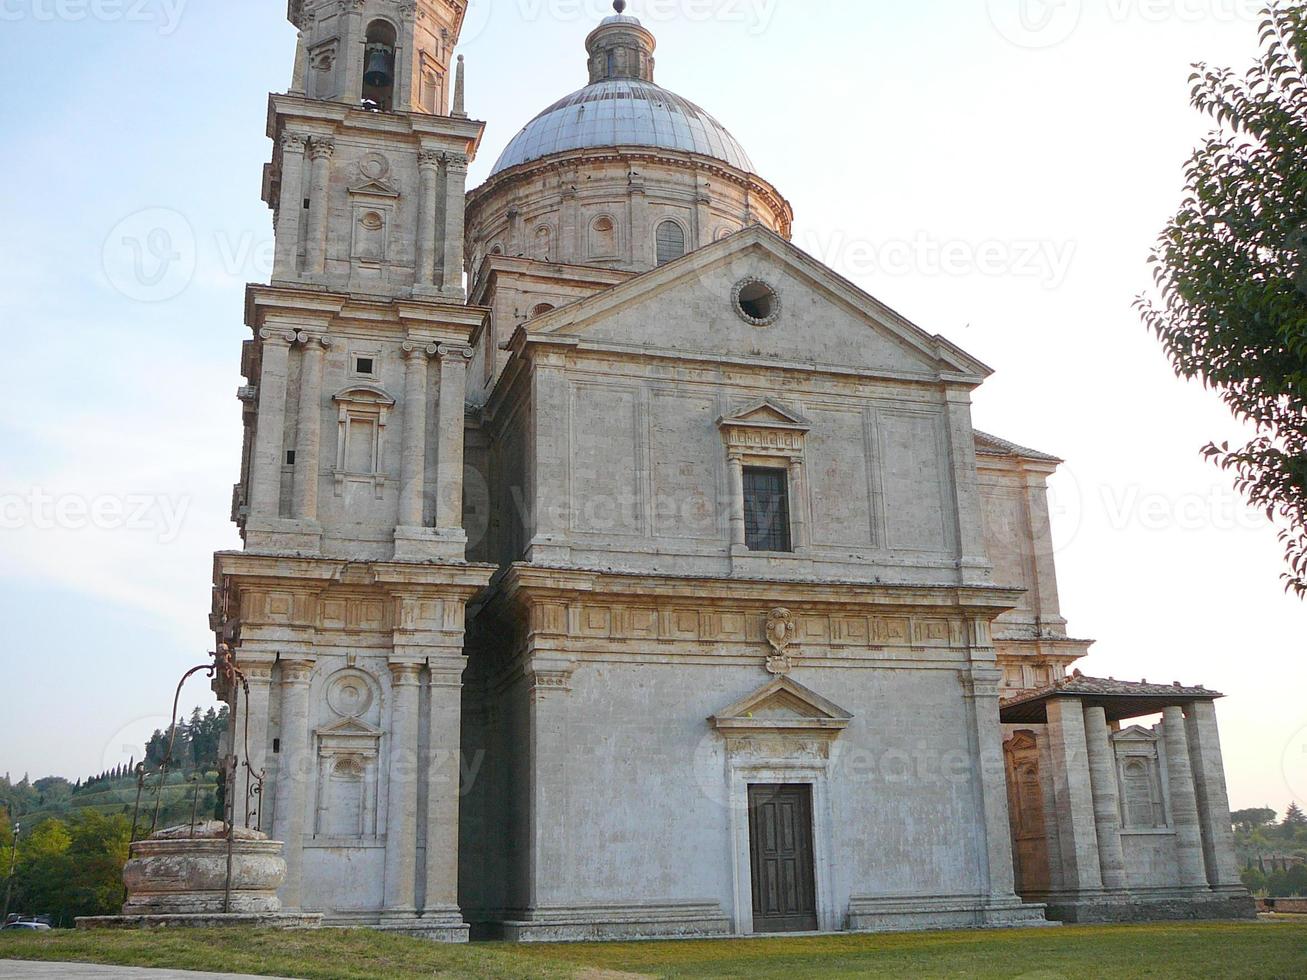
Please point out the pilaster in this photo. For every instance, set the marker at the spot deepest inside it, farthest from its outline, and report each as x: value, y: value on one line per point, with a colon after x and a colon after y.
x: 294, y: 769
x: 402, y: 801
x: 973, y: 561
x: 290, y: 207
x: 981, y: 691
x: 443, y: 788
x: 428, y: 188
x: 270, y: 436
x: 308, y: 441
x: 455, y: 202
x: 321, y: 151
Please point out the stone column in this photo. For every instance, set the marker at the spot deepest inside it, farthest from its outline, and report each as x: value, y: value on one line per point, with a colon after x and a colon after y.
x: 251, y: 745
x: 308, y: 433
x: 1107, y: 805
x: 428, y: 181
x: 455, y: 204
x: 315, y: 249
x: 1081, y: 869
x: 450, y: 428
x: 739, y: 539
x: 798, y: 505
x: 973, y: 560
x: 402, y: 801
x: 412, y: 484
x: 550, y: 692
x: 443, y: 755
x: 289, y: 206
x: 1213, y: 798
x: 980, y: 687
x: 1184, y: 802
x: 294, y: 770
x: 264, y: 492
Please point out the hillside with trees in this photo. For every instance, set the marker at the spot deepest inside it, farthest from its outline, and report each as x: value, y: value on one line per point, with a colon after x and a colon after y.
x: 1273, y: 853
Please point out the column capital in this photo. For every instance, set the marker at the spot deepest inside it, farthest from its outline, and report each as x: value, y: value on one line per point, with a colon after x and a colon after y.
x: 322, y: 148
x: 413, y: 349
x: 311, y: 339
x: 429, y: 159
x: 456, y: 163
x: 288, y: 337
x: 455, y: 351
x: 405, y: 674
x: 292, y: 142
x: 296, y: 671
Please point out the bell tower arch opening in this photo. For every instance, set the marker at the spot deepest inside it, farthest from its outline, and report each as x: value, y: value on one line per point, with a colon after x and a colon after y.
x: 379, y: 66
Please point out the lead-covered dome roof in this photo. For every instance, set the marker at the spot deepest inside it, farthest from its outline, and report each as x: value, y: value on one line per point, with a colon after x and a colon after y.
x: 623, y: 106
x: 624, y: 112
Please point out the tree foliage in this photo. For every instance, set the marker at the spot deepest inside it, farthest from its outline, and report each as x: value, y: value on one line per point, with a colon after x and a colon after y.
x: 71, y: 868
x: 1247, y: 821
x: 1231, y: 271
x: 1294, y: 817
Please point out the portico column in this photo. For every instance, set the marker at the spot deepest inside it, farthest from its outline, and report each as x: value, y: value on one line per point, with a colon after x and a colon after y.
x: 293, y: 775
x: 308, y: 432
x: 289, y: 205
x: 738, y: 537
x: 428, y: 179
x: 402, y: 802
x: 1081, y: 870
x: 413, y: 464
x: 443, y: 755
x: 315, y: 254
x: 1213, y: 798
x: 449, y: 470
x: 264, y: 492
x: 455, y: 202
x: 1107, y: 807
x: 1184, y: 803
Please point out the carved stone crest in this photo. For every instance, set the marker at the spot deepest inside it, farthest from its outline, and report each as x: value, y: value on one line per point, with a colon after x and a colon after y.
x: 780, y: 634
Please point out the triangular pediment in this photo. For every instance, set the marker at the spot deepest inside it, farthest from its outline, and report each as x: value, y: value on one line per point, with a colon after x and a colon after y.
x: 373, y: 188
x: 1135, y: 733
x: 350, y: 728
x: 782, y: 705
x: 767, y: 414
x: 688, y: 308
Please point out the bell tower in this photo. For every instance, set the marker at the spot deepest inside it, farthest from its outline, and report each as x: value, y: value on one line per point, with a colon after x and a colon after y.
x: 345, y: 610
x: 395, y: 55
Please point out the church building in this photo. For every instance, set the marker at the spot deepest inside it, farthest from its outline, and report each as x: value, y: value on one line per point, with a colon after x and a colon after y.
x: 655, y: 581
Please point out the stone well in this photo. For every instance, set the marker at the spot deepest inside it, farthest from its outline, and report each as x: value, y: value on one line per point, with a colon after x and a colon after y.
x: 178, y: 877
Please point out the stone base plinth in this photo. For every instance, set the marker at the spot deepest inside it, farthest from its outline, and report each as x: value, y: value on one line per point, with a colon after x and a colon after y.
x: 434, y: 929
x: 1153, y: 905
x: 266, y: 920
x: 577, y: 923
x: 430, y: 545
x: 942, y: 912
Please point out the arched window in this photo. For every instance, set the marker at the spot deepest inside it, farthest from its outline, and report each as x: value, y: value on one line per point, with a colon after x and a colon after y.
x: 379, y: 66
x: 603, y: 238
x: 1142, y: 803
x: 544, y: 243
x: 671, y: 242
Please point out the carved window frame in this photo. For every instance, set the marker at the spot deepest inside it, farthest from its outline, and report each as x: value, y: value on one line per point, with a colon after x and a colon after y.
x: 361, y: 403
x: 771, y: 443
x: 1132, y: 747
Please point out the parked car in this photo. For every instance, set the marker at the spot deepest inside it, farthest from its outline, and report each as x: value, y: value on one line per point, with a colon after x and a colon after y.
x: 27, y: 926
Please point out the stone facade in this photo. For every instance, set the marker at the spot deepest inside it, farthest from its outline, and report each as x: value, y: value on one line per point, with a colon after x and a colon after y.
x: 521, y: 656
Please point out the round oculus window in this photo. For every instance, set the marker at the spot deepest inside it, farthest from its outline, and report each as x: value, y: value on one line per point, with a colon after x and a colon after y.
x: 757, y: 302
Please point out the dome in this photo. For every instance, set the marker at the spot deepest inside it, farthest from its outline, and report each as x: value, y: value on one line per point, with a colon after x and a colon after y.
x: 623, y: 112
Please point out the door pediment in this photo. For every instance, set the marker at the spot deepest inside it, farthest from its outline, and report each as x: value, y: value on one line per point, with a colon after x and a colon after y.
x: 783, y: 707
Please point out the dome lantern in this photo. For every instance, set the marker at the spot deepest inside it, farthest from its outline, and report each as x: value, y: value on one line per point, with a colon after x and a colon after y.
x: 621, y: 47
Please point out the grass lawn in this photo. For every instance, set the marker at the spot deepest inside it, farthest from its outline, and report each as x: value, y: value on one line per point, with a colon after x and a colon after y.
x: 1263, y: 950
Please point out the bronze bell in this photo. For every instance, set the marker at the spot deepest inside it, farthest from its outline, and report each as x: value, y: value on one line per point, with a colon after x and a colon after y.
x: 379, y: 71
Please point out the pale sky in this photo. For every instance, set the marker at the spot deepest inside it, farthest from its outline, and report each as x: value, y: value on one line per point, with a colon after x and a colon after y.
x: 996, y: 172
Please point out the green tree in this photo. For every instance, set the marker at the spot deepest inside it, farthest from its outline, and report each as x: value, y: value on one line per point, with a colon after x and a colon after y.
x: 1246, y: 821
x: 1254, y: 881
x: 44, y: 871
x: 1231, y: 271
x: 1294, y: 817
x: 97, y: 853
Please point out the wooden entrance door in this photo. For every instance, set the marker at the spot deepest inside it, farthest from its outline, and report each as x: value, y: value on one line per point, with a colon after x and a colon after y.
x: 780, y: 846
